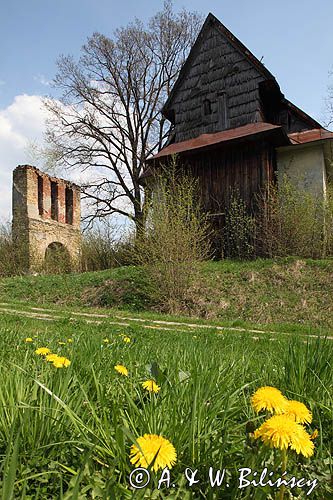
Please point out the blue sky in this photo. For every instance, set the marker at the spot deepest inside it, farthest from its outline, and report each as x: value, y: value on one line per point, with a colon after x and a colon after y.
x: 295, y: 39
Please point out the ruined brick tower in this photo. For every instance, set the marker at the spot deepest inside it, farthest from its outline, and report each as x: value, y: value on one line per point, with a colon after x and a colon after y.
x: 46, y: 216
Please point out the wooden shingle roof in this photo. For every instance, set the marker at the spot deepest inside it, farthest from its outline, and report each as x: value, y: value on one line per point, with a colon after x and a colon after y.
x: 211, y: 20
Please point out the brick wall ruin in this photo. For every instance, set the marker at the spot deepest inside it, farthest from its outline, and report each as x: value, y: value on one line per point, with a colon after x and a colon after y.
x: 46, y: 214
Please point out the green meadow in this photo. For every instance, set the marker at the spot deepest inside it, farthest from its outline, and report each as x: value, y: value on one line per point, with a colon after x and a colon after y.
x: 67, y: 433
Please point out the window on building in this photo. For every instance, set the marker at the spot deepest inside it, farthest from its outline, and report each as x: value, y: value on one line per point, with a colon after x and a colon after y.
x: 54, y: 200
x: 40, y: 195
x: 69, y: 205
x: 207, y: 107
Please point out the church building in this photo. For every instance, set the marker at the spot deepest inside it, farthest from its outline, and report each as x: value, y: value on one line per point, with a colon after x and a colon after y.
x: 233, y: 128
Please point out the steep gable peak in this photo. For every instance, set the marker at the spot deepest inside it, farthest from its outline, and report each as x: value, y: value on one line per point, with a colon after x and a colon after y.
x: 212, y: 21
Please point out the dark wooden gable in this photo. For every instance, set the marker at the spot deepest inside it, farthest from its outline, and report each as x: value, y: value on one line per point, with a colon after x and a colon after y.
x: 218, y: 87
x: 223, y: 85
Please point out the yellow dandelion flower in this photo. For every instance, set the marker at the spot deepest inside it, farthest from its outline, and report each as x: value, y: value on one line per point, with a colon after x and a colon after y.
x: 151, y: 446
x: 64, y: 360
x: 299, y: 412
x: 270, y: 399
x: 281, y: 431
x: 106, y: 341
x: 315, y: 434
x: 121, y: 369
x: 127, y: 340
x: 57, y: 364
x: 61, y: 362
x: 28, y: 339
x: 42, y: 351
x: 51, y: 357
x: 151, y: 386
x: 70, y: 341
x: 302, y: 442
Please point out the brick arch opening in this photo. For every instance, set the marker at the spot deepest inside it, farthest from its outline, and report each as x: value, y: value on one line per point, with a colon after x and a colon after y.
x: 57, y: 258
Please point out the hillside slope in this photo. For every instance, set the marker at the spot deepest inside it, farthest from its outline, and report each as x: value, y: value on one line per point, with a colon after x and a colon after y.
x: 291, y: 291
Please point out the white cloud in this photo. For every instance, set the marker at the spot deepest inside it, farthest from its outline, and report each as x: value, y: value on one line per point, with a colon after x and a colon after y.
x: 22, y: 122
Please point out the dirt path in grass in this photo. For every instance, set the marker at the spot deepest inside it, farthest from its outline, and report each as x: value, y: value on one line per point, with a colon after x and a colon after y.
x: 45, y: 314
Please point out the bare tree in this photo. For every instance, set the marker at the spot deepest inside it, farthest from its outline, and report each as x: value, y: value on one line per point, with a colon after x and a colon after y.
x: 108, y: 120
x: 328, y: 116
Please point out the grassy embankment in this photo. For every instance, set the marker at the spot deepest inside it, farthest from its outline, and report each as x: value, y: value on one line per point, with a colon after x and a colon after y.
x: 290, y: 293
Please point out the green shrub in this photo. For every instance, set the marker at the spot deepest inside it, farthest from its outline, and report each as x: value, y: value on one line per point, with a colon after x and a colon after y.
x: 12, y: 255
x: 239, y: 230
x: 102, y: 248
x: 175, y: 239
x: 287, y: 221
x: 291, y: 221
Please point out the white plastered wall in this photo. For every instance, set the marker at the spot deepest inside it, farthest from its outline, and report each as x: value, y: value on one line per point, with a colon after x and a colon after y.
x: 304, y: 165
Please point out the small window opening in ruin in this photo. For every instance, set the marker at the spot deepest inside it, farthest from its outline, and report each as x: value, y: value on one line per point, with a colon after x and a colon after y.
x: 69, y: 205
x: 40, y: 195
x: 54, y: 200
x: 207, y: 107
